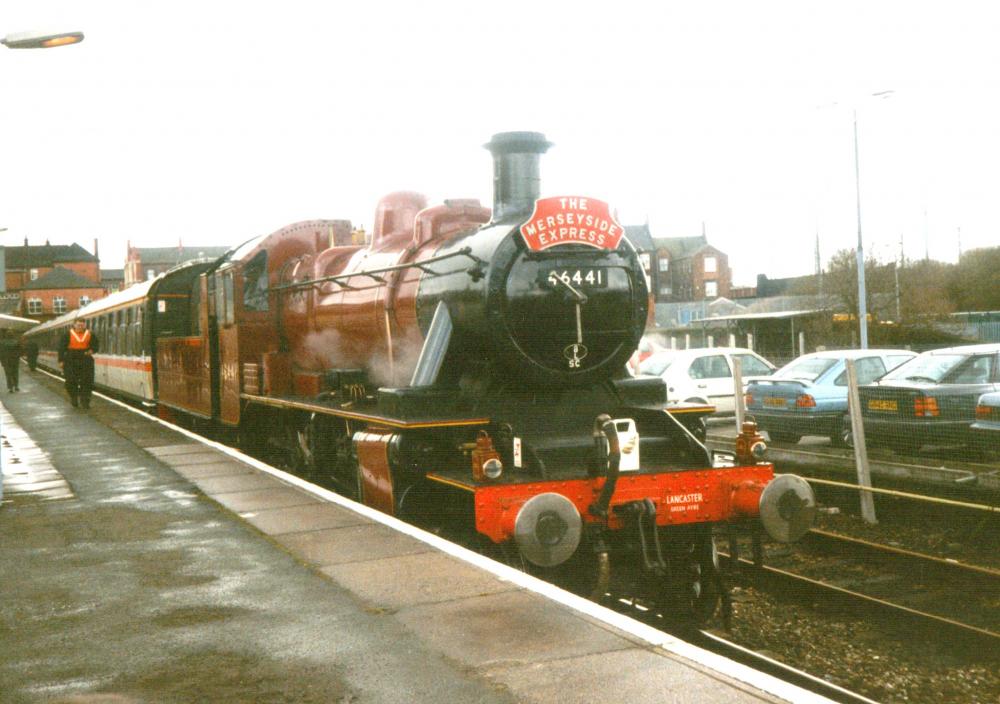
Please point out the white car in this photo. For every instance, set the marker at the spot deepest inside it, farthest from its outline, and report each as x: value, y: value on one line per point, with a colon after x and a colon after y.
x: 705, y: 375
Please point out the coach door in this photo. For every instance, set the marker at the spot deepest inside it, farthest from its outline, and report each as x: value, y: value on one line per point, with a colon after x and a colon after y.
x: 227, y: 346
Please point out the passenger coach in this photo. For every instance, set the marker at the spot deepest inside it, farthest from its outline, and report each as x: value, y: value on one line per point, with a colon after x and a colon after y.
x: 127, y: 324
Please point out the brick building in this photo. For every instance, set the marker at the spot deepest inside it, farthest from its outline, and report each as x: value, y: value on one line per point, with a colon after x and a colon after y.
x: 49, y: 280
x: 57, y: 292
x: 143, y: 263
x: 112, y: 280
x: 690, y: 269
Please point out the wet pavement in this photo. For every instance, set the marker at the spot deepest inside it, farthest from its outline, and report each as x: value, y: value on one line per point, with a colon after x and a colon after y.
x: 137, y: 586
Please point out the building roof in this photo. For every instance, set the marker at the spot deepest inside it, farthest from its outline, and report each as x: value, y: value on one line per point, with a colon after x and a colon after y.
x: 640, y: 237
x: 60, y: 277
x: 112, y: 274
x: 150, y: 256
x: 680, y: 247
x: 46, y: 255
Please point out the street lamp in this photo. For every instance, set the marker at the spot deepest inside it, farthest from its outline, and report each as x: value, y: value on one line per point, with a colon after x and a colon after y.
x: 40, y: 40
x: 862, y: 303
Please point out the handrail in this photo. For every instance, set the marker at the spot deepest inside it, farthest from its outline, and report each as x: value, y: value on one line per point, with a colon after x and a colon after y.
x: 375, y: 274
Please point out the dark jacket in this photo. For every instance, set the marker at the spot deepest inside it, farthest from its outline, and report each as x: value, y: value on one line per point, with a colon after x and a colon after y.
x: 64, y: 345
x: 10, y: 350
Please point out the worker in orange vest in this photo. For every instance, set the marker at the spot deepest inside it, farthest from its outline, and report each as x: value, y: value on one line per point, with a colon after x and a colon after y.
x: 76, y: 355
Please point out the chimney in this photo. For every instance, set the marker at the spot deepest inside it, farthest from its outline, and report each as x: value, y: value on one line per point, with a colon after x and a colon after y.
x: 96, y: 255
x: 516, y: 182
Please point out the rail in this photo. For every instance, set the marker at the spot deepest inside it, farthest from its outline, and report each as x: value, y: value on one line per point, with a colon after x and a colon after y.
x: 907, y: 495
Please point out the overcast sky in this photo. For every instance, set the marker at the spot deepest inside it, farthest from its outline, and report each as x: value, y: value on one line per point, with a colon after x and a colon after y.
x: 213, y: 122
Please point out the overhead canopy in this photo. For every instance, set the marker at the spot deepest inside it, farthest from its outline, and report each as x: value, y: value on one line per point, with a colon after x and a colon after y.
x: 777, y: 315
x: 12, y: 322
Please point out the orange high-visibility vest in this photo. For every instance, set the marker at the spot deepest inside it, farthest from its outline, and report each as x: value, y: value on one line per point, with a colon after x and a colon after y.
x: 79, y: 342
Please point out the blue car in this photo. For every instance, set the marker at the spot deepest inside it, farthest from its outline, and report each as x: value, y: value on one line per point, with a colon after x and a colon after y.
x: 808, y: 396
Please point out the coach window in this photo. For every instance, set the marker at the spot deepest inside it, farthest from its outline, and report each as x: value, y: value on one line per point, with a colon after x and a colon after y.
x: 255, y: 283
x: 230, y: 311
x: 139, y: 339
x: 218, y: 298
x: 194, y: 316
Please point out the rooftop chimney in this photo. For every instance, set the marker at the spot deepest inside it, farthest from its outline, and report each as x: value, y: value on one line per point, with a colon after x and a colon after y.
x: 515, y: 172
x: 96, y: 255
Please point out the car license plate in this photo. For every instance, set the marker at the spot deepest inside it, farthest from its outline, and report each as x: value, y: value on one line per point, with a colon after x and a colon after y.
x: 880, y: 404
x: 774, y: 401
x: 588, y: 277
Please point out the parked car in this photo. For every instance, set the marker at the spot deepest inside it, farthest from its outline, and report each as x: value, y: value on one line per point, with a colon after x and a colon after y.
x: 986, y: 428
x: 704, y: 375
x: 930, y: 400
x: 808, y: 396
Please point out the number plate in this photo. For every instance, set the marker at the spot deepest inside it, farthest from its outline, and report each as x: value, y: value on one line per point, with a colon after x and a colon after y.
x: 589, y: 277
x: 773, y: 401
x: 878, y: 404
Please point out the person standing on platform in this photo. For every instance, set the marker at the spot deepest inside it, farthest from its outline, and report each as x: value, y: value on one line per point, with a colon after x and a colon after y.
x: 10, y: 357
x: 31, y: 352
x: 76, y: 356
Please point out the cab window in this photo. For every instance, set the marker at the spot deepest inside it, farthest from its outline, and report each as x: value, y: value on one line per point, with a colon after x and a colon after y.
x: 255, y: 283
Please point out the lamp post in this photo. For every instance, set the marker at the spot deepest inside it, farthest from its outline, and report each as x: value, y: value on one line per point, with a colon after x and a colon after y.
x: 862, y: 302
x: 40, y: 40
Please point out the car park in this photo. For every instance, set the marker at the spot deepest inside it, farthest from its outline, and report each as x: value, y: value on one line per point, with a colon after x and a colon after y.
x: 808, y: 396
x: 930, y: 400
x: 704, y: 375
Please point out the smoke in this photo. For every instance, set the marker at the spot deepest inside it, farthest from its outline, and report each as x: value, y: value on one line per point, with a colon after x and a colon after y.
x: 329, y: 349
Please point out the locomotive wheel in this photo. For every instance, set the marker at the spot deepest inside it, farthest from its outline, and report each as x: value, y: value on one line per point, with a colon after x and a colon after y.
x: 706, y: 588
x: 693, y: 590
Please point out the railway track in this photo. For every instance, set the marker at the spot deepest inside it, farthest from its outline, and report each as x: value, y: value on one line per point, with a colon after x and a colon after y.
x: 826, y: 541
x: 831, y: 596
x: 718, y: 643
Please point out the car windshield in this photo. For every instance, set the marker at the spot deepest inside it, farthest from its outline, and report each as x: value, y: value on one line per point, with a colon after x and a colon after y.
x: 805, y: 368
x: 656, y: 364
x: 927, y: 367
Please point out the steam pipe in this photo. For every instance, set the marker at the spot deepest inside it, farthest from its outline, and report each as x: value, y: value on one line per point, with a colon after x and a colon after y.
x: 434, y: 349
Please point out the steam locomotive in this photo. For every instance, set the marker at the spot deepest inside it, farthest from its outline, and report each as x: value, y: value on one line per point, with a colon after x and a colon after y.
x: 465, y: 369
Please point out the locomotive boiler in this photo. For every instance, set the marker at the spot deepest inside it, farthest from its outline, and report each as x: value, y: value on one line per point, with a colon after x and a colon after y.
x: 465, y: 369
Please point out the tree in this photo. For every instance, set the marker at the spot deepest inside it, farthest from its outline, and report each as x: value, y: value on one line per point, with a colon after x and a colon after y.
x: 973, y: 285
x: 841, y: 281
x: 925, y: 290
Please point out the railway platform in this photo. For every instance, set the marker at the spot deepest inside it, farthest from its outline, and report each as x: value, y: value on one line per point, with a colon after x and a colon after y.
x: 139, y: 563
